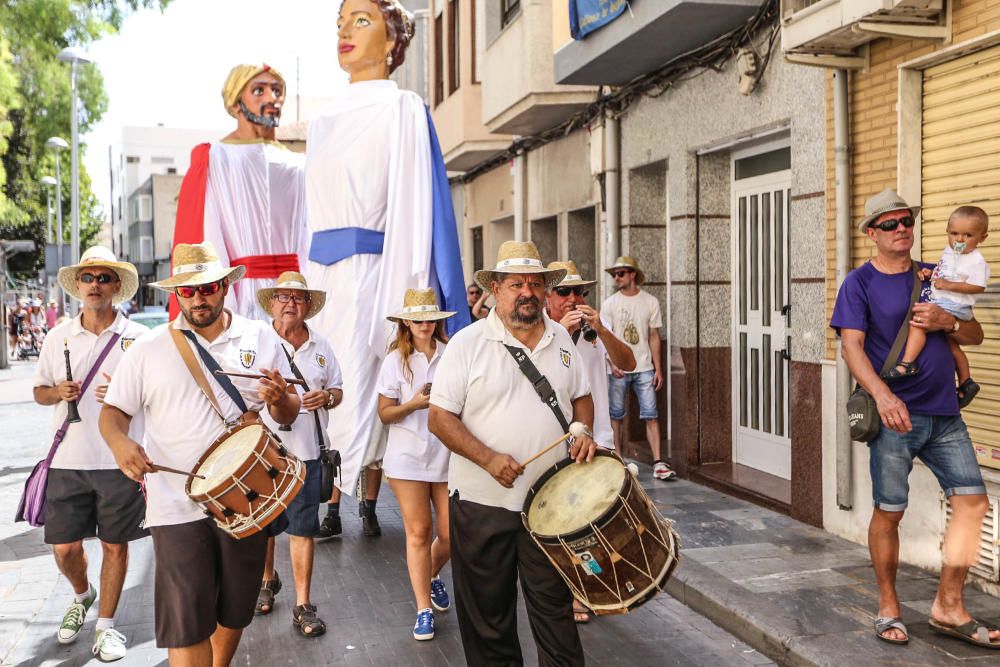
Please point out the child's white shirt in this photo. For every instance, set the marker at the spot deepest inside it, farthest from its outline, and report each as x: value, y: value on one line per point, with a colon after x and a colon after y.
x: 970, y: 267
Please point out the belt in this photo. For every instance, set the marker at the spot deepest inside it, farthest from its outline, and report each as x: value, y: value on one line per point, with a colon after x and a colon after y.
x: 332, y: 245
x: 267, y: 266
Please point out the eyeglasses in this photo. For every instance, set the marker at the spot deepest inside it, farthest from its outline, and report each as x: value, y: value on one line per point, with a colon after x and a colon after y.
x: 566, y: 291
x: 619, y: 274
x: 297, y: 298
x: 100, y: 278
x: 890, y: 225
x: 188, y: 291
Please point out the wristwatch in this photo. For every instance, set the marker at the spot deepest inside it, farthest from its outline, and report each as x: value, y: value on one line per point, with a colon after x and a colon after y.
x: 955, y: 327
x: 329, y: 399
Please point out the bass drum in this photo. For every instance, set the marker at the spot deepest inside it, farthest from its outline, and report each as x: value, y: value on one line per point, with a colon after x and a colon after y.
x: 600, y: 530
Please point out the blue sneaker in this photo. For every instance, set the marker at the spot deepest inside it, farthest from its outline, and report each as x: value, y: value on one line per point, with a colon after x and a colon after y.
x: 424, y: 628
x: 439, y: 595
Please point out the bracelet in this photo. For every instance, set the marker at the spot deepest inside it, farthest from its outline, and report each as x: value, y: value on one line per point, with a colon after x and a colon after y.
x: 329, y: 399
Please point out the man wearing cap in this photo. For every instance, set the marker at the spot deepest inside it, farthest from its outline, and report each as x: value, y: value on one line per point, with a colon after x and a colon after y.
x: 920, y: 417
x: 245, y: 194
x: 291, y: 303
x: 479, y: 391
x: 206, y: 581
x: 87, y: 495
x: 635, y: 318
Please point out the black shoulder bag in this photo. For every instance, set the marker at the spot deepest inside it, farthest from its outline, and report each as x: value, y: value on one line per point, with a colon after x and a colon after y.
x: 862, y: 412
x: 539, y: 382
x: 329, y: 459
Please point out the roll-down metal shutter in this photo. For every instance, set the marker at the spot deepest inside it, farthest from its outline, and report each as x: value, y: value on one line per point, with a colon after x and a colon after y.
x: 961, y: 165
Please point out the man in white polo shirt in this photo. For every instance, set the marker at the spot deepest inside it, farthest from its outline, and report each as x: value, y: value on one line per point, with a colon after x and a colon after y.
x: 206, y: 581
x: 86, y: 494
x: 478, y: 393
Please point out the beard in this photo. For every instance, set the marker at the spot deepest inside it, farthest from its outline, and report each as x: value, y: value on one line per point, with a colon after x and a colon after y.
x: 533, y: 317
x: 203, y: 316
x: 260, y: 119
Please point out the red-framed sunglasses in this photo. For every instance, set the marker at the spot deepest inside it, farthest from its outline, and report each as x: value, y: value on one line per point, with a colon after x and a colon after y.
x: 208, y: 289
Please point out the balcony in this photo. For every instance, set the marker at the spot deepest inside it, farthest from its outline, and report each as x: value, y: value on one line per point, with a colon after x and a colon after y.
x: 829, y: 32
x: 464, y: 141
x: 653, y: 34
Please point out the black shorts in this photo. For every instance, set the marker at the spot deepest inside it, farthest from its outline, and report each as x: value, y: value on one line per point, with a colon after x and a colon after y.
x: 93, y: 503
x: 203, y: 577
x: 303, y: 511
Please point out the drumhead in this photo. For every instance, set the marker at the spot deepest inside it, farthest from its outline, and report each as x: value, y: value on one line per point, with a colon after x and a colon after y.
x: 575, y: 496
x: 227, y: 457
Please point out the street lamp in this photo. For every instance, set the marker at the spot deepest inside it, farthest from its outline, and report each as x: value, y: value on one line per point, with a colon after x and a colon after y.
x: 57, y: 144
x: 74, y: 55
x: 48, y: 182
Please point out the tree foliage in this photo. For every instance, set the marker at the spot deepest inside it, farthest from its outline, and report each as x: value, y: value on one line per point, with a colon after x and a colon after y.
x: 35, y: 104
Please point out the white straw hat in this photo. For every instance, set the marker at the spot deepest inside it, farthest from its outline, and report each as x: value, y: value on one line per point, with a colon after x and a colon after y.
x: 626, y: 262
x: 197, y: 264
x: 573, y: 277
x: 885, y: 202
x: 295, y: 281
x: 518, y: 257
x: 420, y: 305
x: 99, y: 256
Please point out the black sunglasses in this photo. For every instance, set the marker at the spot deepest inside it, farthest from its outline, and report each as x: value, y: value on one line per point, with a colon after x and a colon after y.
x: 890, y: 225
x: 188, y: 291
x: 619, y: 274
x: 100, y: 278
x: 566, y: 291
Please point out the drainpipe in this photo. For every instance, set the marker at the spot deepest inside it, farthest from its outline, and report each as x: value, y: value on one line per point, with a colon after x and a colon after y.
x: 842, y: 196
x: 612, y: 194
x: 520, y: 197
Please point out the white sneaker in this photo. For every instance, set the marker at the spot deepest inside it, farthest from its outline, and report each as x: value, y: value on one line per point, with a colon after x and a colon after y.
x: 109, y: 645
x: 662, y: 471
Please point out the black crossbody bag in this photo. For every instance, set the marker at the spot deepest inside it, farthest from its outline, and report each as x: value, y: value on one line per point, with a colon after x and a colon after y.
x: 329, y: 459
x: 862, y: 411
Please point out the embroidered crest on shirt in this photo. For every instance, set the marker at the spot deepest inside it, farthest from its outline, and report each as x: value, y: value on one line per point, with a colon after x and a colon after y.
x: 321, y: 360
x: 247, y: 357
x: 564, y: 357
x: 126, y: 343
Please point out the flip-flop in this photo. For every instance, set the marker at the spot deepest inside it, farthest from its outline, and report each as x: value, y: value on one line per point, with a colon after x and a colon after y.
x: 980, y: 629
x: 884, y: 623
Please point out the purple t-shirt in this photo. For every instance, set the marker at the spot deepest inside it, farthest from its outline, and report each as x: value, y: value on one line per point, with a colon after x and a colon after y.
x: 876, y: 303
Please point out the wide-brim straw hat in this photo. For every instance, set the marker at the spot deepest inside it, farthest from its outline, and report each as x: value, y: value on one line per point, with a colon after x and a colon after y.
x: 518, y: 257
x: 626, y: 262
x: 197, y: 264
x: 573, y: 277
x: 99, y: 256
x: 237, y: 80
x: 292, y: 280
x: 885, y: 202
x: 420, y: 305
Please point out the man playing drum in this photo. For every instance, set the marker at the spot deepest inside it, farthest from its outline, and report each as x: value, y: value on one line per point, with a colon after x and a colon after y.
x: 479, y: 391
x: 291, y: 303
x: 206, y: 582
x: 87, y: 495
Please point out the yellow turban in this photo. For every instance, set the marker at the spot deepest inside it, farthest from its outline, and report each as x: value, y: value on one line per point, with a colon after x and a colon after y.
x: 239, y: 77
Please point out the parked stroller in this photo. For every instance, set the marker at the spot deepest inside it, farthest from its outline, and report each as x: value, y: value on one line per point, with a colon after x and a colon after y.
x: 29, y: 342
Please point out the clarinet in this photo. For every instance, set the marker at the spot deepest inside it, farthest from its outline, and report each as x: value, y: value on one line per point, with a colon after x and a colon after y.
x: 72, y: 411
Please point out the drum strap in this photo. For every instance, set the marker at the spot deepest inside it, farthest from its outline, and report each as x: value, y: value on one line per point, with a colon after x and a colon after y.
x: 297, y: 373
x: 199, y: 377
x: 539, y: 382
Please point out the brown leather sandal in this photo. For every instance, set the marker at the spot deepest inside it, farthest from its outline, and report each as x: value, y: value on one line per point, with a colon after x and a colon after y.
x: 308, y: 623
x: 265, y: 598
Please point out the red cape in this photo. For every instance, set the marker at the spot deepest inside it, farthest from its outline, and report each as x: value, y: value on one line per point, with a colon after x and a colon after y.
x: 190, y: 225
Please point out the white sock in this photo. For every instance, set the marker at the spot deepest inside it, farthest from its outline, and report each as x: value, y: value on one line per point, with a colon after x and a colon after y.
x: 105, y: 624
x: 82, y: 597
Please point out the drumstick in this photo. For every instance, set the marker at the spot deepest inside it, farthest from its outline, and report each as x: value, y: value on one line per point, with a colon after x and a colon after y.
x: 253, y: 376
x: 160, y: 468
x: 576, y: 430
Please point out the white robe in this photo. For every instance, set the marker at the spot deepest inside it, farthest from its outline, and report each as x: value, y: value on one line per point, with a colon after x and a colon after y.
x: 255, y: 205
x: 368, y: 166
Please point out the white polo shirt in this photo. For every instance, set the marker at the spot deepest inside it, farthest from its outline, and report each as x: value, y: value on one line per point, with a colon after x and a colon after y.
x: 412, y: 452
x: 479, y: 380
x: 319, y: 367
x: 594, y: 356
x: 83, y: 448
x: 181, y: 424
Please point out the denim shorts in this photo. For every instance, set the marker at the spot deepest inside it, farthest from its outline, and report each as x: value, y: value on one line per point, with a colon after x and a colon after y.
x: 961, y: 311
x: 942, y: 443
x: 642, y: 385
x: 303, y: 511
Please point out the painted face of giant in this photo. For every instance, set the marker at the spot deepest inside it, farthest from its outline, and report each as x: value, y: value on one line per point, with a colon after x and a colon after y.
x: 363, y: 38
x: 262, y: 99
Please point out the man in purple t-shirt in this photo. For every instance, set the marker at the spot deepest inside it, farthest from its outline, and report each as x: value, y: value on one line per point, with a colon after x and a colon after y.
x: 920, y: 418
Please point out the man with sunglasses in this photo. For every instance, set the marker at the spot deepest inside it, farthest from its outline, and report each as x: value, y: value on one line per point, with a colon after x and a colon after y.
x: 920, y: 417
x: 635, y: 317
x: 87, y: 495
x: 206, y: 580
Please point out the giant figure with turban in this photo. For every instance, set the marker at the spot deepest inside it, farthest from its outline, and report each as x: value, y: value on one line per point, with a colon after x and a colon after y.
x: 381, y: 215
x: 246, y: 192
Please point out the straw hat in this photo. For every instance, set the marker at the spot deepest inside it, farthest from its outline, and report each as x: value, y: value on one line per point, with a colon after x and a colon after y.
x: 518, y: 257
x: 238, y: 78
x: 296, y: 281
x: 884, y: 202
x: 99, y: 256
x: 420, y: 305
x: 197, y: 264
x: 573, y: 277
x: 626, y: 262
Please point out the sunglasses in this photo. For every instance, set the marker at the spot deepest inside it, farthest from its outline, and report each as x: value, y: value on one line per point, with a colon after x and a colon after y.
x: 890, y: 225
x: 619, y: 274
x: 100, y: 278
x: 297, y: 298
x: 188, y: 291
x: 566, y: 291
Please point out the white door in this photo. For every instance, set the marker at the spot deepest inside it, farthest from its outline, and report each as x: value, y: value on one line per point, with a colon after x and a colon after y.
x: 761, y: 317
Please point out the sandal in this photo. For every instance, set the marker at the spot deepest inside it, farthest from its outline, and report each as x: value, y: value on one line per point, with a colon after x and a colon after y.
x: 884, y: 623
x: 966, y: 392
x: 980, y: 629
x: 265, y: 599
x: 909, y: 368
x: 304, y: 618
